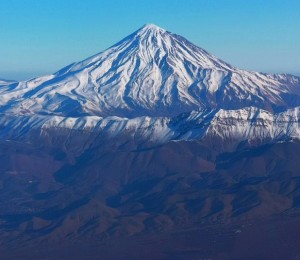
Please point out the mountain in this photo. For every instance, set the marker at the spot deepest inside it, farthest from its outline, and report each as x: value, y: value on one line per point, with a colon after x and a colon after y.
x: 151, y: 149
x: 149, y: 80
x: 179, y: 200
x: 152, y: 72
x: 225, y: 129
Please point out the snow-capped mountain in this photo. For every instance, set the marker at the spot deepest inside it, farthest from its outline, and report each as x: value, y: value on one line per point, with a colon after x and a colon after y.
x: 216, y: 127
x: 154, y: 137
x: 152, y: 72
x: 159, y: 82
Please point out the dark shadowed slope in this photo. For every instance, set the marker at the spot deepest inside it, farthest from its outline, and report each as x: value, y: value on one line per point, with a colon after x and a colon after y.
x: 66, y: 195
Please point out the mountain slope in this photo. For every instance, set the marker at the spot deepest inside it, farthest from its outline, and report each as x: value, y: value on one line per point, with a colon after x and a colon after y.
x: 152, y: 72
x: 223, y: 130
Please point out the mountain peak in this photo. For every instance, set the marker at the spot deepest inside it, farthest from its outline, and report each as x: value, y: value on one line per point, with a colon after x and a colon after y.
x: 150, y: 30
x: 153, y: 46
x: 151, y: 27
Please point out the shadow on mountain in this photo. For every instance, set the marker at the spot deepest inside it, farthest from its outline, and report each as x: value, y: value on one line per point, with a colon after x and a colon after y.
x: 183, y: 192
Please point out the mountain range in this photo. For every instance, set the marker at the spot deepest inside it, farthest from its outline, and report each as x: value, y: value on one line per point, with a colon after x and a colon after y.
x: 151, y: 79
x: 153, y: 144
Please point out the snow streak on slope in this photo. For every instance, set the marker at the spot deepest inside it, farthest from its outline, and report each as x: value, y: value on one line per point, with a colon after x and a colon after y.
x: 254, y: 125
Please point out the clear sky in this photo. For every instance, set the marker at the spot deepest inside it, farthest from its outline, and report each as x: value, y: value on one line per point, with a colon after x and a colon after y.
x: 42, y: 36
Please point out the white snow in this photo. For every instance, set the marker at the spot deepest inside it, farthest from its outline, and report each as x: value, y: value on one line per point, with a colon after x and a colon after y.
x: 145, y: 83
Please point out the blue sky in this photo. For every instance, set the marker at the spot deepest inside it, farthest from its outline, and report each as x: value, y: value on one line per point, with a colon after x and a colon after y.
x: 41, y: 36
